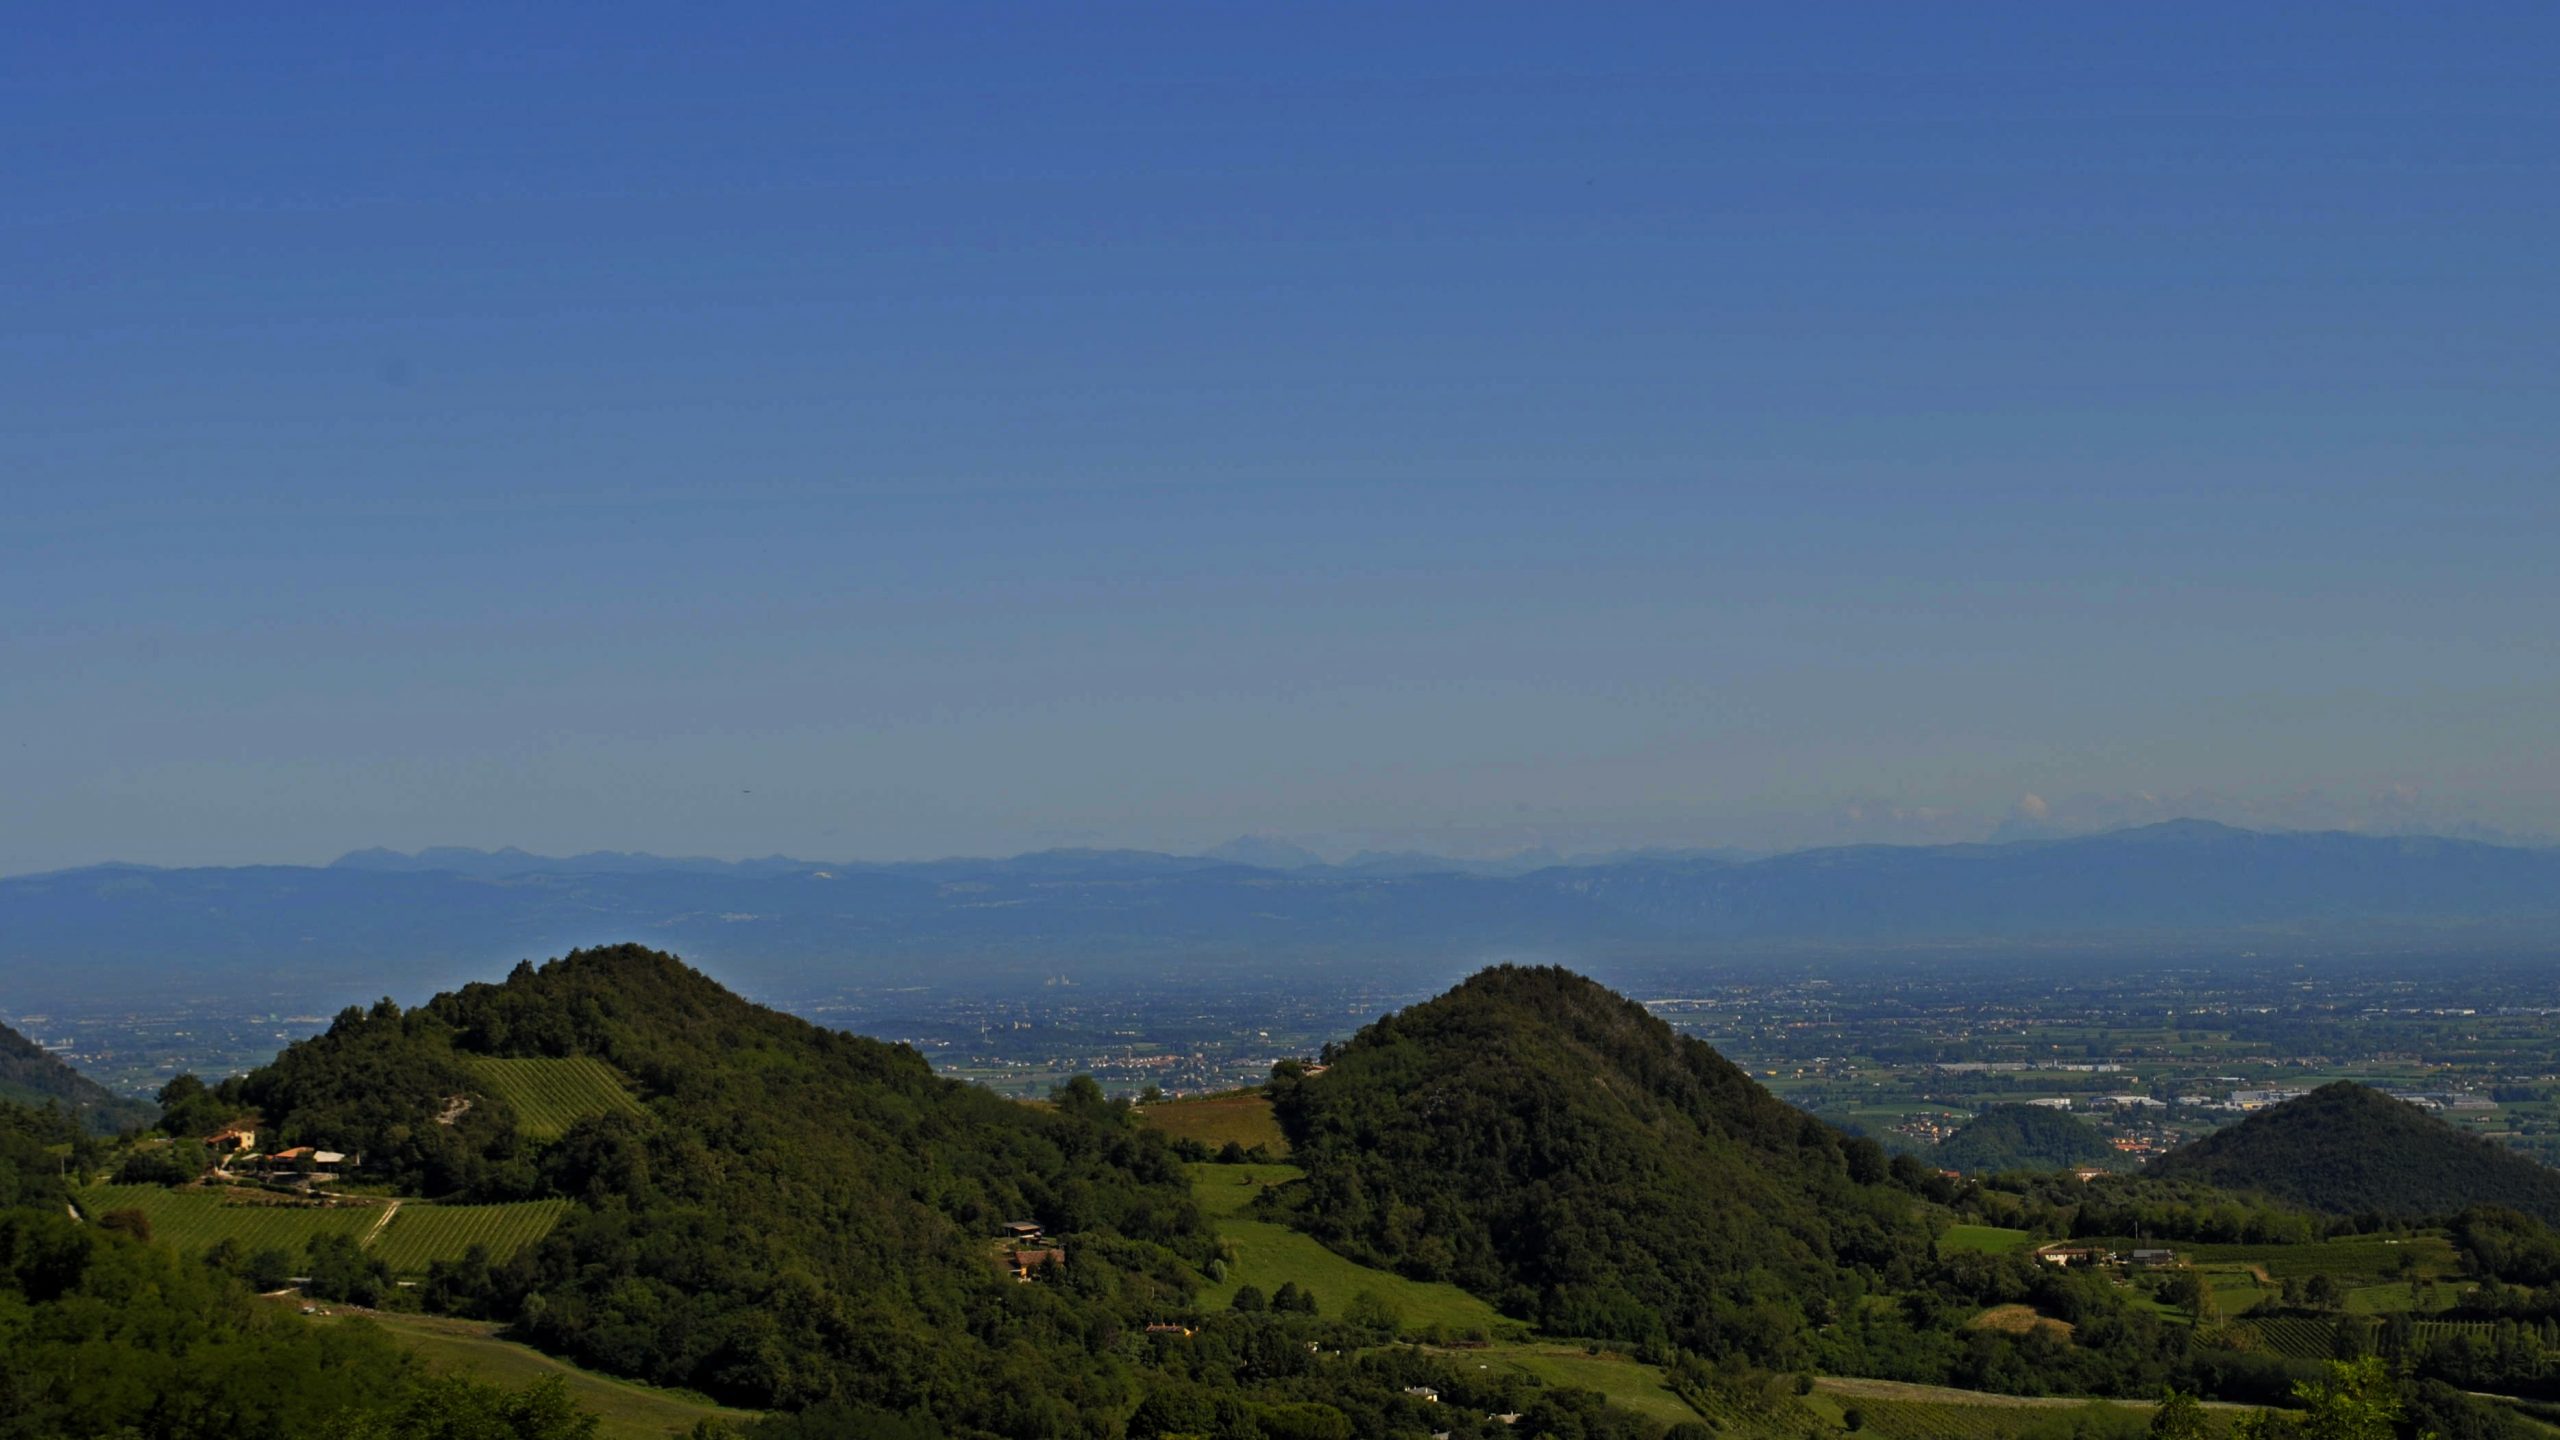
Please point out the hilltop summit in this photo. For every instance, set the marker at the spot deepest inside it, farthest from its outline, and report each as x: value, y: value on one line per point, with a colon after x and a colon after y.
x: 2349, y: 1149
x: 1543, y: 1141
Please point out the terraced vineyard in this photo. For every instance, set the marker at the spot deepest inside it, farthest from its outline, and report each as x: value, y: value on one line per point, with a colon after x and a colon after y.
x: 549, y: 1095
x: 2430, y: 1332
x: 2303, y: 1337
x: 421, y: 1234
x: 201, y: 1219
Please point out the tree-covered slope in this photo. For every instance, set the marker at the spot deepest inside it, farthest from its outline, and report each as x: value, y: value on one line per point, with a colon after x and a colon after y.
x: 30, y: 1075
x: 794, y: 1215
x: 1544, y: 1142
x: 2349, y: 1149
x: 807, y: 1222
x: 2021, y: 1137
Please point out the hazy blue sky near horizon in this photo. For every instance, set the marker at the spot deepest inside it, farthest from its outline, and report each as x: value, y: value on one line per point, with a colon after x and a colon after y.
x: 865, y: 433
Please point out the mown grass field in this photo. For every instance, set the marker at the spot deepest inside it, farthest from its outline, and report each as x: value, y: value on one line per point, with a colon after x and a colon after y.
x: 1266, y: 1256
x: 549, y: 1095
x: 1626, y: 1382
x: 1895, y: 1411
x: 192, y: 1220
x: 1981, y: 1239
x: 1225, y: 1190
x: 2235, y: 1292
x: 628, y: 1411
x: 1213, y: 1120
x: 1930, y: 1420
x: 2374, y: 1259
x: 420, y: 1234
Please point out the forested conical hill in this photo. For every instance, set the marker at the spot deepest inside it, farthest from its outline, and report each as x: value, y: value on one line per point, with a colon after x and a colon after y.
x: 795, y: 1215
x: 1549, y: 1144
x: 2349, y: 1149
x: 2021, y: 1137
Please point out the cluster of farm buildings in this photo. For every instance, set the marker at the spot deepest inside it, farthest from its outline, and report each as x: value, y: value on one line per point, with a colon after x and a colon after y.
x: 2089, y: 1255
x: 236, y: 1156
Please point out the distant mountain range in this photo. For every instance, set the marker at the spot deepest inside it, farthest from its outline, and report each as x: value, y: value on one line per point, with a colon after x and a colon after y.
x: 377, y: 922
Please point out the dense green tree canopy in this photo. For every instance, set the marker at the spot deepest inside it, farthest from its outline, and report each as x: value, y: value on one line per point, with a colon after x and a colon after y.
x: 2021, y: 1137
x: 2349, y: 1149
x: 1542, y: 1141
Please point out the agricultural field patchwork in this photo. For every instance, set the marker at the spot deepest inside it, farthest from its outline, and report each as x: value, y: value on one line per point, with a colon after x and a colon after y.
x: 549, y: 1095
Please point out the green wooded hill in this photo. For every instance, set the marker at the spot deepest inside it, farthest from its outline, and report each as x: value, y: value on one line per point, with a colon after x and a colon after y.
x: 787, y: 1215
x: 30, y: 1075
x: 2349, y: 1149
x: 1550, y: 1145
x: 2021, y: 1137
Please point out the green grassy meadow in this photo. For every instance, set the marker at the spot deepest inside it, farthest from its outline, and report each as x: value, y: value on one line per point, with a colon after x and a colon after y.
x: 628, y: 1411
x: 1626, y: 1382
x: 1267, y: 1255
x: 1896, y: 1411
x: 2376, y: 1258
x: 1981, y: 1239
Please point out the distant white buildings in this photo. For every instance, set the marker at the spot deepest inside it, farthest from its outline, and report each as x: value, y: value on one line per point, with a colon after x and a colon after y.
x: 2052, y: 1102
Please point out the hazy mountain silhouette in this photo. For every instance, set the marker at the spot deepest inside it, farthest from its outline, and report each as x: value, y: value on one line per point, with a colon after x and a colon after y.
x: 377, y: 923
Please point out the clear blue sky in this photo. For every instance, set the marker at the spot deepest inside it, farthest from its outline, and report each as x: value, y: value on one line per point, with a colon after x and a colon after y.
x: 861, y: 433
